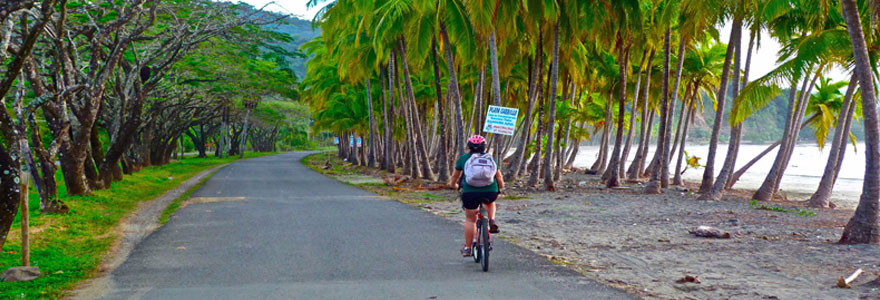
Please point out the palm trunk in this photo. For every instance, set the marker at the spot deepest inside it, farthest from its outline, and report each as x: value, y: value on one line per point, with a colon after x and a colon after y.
x: 534, y: 165
x: 635, y: 168
x: 602, y: 162
x: 455, y: 90
x: 753, y: 33
x: 822, y: 195
x: 443, y: 160
x: 632, y: 115
x: 641, y: 170
x: 709, y: 171
x: 676, y: 179
x: 496, y: 92
x: 653, y: 187
x: 864, y: 227
x: 562, y: 155
x: 427, y: 173
x: 387, y: 97
x: 551, y: 123
x: 682, y: 111
x: 371, y: 150
x: 664, y: 176
x: 805, y: 100
x: 742, y: 170
x: 613, y: 171
x: 715, y: 193
x: 765, y: 192
x: 519, y: 154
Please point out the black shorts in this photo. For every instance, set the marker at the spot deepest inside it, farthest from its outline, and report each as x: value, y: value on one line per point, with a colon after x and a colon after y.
x: 472, y: 200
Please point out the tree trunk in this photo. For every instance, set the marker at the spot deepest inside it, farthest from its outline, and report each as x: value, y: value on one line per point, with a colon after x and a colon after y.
x: 244, y: 129
x: 613, y: 171
x: 653, y: 187
x: 388, y: 161
x: 522, y: 144
x: 645, y: 172
x: 554, y: 74
x: 768, y: 188
x: 742, y: 170
x: 805, y: 100
x: 421, y: 149
x: 561, y: 157
x: 11, y: 191
x: 443, y: 159
x: 602, y: 161
x: 821, y: 198
x: 371, y: 150
x: 664, y: 176
x: 224, y: 132
x: 717, y: 190
x: 864, y: 227
x: 632, y: 115
x: 534, y: 165
x: 709, y: 171
x: 496, y: 93
x: 676, y: 179
x: 682, y: 110
x: 456, y: 92
x: 635, y: 168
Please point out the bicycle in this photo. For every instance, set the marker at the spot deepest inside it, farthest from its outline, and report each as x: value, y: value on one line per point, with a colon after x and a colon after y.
x: 482, y: 243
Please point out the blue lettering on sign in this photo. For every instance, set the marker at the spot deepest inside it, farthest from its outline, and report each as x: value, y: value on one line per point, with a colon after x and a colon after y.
x: 501, y: 120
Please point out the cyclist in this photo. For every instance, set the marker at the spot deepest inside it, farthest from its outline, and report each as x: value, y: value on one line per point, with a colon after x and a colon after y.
x: 471, y: 196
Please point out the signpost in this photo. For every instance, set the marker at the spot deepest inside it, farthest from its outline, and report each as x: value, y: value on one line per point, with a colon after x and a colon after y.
x: 350, y: 140
x: 359, y: 142
x: 501, y: 120
x: 335, y: 140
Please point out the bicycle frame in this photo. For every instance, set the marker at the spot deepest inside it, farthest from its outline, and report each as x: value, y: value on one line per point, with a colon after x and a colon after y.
x: 480, y: 247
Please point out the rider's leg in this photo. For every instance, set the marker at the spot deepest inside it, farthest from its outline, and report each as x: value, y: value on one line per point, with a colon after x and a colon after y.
x: 490, y: 210
x: 470, y: 225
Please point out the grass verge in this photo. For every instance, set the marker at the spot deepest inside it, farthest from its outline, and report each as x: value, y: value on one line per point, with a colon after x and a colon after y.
x: 407, y: 193
x: 68, y: 248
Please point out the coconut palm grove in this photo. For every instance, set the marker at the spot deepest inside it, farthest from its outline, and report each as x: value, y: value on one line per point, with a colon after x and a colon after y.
x: 416, y: 77
x: 193, y: 149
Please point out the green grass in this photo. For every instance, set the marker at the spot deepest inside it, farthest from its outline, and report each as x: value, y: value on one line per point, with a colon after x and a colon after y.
x: 337, y: 166
x: 68, y: 248
x: 800, y: 212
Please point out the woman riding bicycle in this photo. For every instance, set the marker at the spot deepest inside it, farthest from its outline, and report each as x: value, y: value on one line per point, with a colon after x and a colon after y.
x: 477, y: 189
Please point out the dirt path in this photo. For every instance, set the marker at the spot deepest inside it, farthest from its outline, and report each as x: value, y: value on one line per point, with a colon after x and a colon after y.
x: 641, y: 243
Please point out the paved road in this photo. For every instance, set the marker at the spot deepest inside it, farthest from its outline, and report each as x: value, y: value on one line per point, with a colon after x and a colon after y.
x: 283, y: 231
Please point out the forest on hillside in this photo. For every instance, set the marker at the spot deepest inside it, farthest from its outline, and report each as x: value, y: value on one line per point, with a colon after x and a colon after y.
x: 300, y: 32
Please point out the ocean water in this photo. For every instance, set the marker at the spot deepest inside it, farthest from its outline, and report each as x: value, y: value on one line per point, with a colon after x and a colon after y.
x: 802, y: 175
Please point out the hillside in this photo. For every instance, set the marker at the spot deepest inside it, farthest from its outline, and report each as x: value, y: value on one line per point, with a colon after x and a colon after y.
x: 302, y: 32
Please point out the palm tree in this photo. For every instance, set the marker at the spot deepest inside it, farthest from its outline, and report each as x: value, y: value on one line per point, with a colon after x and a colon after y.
x: 827, y: 92
x: 864, y: 226
x: 709, y: 171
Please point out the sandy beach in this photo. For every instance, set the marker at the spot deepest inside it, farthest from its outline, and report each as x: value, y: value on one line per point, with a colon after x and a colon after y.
x: 641, y: 243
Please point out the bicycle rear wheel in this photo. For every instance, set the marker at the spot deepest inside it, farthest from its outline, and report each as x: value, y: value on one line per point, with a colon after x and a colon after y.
x: 484, y: 247
x: 475, y: 252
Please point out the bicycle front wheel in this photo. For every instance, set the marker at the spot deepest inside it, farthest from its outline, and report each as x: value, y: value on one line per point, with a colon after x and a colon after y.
x: 484, y: 247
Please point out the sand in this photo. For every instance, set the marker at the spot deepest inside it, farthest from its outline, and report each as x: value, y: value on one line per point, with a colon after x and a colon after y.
x: 641, y: 243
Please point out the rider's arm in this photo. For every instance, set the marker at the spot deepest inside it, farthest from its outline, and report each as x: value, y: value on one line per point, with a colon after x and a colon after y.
x: 453, y: 182
x: 500, y: 179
